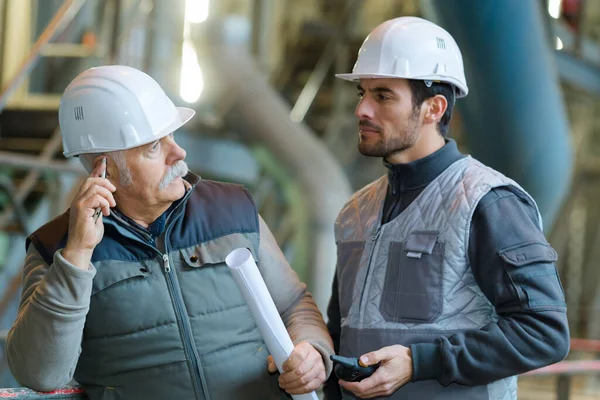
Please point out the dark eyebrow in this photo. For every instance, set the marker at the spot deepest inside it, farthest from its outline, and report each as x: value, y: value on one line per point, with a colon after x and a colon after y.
x: 382, y: 90
x: 379, y: 89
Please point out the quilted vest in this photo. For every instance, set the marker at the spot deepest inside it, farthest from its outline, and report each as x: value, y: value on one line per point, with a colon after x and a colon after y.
x: 409, y: 281
x: 166, y: 318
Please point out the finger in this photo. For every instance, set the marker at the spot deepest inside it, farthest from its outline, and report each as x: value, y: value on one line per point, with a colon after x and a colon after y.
x: 89, y: 200
x: 104, y: 183
x: 384, y: 389
x: 363, y: 386
x: 311, y: 386
x: 271, y: 366
x: 309, y: 368
x: 290, y: 380
x: 383, y: 354
x: 98, y: 190
x: 91, y: 182
x: 97, y: 202
x: 295, y: 359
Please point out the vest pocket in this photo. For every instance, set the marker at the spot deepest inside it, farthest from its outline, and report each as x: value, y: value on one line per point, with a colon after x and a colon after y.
x: 533, y: 276
x: 117, y: 304
x: 112, y: 274
x: 413, y: 286
x: 349, y: 254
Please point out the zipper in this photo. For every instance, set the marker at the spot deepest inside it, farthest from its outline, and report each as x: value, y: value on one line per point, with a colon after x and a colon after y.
x: 166, y: 264
x: 362, y: 306
x: 183, y: 322
x: 185, y: 329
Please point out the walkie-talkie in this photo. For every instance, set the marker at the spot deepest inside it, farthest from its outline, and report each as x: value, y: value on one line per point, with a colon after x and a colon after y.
x: 350, y: 369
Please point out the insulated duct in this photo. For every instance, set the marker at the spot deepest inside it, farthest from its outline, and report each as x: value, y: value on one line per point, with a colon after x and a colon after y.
x: 514, y: 117
x: 253, y: 108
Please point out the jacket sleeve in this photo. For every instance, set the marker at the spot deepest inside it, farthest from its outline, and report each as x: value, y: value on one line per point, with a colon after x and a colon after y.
x: 298, y: 310
x: 514, y: 266
x: 44, y: 343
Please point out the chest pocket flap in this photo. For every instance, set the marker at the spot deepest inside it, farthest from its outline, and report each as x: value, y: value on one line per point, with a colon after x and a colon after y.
x: 419, y: 243
x: 117, y: 271
x: 215, y: 251
x: 533, y: 277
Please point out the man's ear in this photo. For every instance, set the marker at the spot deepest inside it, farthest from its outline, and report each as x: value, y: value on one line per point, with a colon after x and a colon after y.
x: 98, y: 159
x: 436, y: 107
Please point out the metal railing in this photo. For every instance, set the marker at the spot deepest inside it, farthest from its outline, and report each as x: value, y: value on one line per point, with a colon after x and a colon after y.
x: 565, y: 370
x: 69, y: 392
x: 65, y: 14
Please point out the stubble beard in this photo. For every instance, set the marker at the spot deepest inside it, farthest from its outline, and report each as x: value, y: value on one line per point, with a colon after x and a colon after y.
x: 387, y: 146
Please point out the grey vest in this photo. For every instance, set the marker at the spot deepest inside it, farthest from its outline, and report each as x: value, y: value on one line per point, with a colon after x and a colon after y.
x: 409, y: 281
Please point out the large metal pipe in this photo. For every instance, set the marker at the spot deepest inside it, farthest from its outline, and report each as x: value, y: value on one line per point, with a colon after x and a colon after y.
x: 514, y: 117
x: 256, y: 110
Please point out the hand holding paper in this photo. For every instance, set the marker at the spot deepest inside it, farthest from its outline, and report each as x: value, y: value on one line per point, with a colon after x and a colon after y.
x: 304, y: 370
x: 255, y: 292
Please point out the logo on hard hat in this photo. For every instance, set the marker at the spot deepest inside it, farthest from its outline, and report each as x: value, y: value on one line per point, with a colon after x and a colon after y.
x: 78, y: 113
x: 441, y: 43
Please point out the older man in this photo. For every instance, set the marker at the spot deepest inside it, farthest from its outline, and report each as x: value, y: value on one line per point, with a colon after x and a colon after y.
x: 137, y: 303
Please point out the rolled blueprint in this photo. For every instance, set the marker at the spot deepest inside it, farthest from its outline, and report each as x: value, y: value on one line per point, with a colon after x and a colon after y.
x: 257, y: 296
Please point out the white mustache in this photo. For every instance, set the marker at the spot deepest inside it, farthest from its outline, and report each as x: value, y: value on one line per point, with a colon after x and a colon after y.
x: 180, y: 168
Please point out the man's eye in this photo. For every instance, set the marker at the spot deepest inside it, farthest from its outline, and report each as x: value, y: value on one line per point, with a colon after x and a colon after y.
x: 382, y: 97
x: 360, y: 94
x: 155, y: 145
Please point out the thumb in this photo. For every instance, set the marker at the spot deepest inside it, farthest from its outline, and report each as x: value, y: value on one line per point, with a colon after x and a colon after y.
x: 271, y: 367
x: 374, y: 357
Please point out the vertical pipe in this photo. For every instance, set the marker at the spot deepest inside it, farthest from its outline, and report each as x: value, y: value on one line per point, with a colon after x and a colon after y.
x: 514, y: 117
x: 254, y: 109
x: 164, y: 63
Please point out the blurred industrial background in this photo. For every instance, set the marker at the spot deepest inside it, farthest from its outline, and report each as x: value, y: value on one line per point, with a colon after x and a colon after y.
x: 270, y: 115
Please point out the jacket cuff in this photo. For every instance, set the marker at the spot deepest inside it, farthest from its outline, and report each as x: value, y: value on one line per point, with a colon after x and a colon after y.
x: 427, y: 361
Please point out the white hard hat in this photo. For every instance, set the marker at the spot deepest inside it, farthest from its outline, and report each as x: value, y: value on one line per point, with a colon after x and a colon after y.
x: 113, y: 108
x: 410, y: 48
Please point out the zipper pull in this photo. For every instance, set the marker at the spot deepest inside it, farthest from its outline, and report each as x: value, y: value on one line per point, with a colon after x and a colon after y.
x: 376, y: 235
x: 166, y: 263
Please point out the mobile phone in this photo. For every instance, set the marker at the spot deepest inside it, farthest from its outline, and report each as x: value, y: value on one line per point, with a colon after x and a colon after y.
x: 99, y: 210
x: 350, y: 369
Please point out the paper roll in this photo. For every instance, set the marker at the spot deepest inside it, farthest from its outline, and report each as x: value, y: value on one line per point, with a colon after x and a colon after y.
x: 257, y: 296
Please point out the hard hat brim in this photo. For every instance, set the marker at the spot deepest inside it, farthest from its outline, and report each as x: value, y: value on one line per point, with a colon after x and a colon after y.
x: 462, y: 90
x: 185, y: 114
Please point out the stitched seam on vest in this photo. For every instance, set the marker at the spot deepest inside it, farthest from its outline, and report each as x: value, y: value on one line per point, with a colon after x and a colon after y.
x: 213, y: 238
x: 203, y: 314
x: 162, y: 325
x: 86, y: 338
x: 238, y: 344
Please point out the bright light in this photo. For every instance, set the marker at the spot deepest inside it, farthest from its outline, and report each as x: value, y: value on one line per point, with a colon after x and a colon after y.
x: 191, y: 81
x: 554, y: 7
x: 196, y: 11
x: 559, y: 44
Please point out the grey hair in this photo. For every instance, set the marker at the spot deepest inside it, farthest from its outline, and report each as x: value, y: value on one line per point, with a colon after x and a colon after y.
x: 87, y: 160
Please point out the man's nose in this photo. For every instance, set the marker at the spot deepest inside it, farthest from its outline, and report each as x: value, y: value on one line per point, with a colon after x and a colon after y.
x: 364, y: 110
x: 176, y: 152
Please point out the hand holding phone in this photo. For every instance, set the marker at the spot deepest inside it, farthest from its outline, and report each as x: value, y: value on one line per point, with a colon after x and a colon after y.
x: 350, y: 369
x: 84, y: 232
